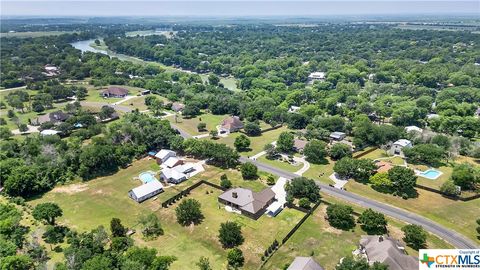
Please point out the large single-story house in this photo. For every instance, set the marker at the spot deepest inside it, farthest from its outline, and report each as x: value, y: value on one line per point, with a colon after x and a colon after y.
x: 397, y: 147
x: 388, y: 251
x: 171, y: 175
x: 146, y: 191
x: 164, y: 154
x: 316, y: 76
x: 337, y: 136
x: 177, y: 107
x: 54, y: 117
x: 299, y: 145
x: 249, y: 203
x: 116, y: 92
x: 304, y: 263
x: 409, y: 129
x: 231, y: 124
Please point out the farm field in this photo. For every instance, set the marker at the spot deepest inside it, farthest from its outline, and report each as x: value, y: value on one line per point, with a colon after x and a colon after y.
x: 87, y: 205
x: 328, y: 245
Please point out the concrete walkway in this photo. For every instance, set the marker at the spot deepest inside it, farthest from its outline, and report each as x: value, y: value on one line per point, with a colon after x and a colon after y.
x: 306, y: 165
x: 279, y: 190
x: 339, y: 183
x: 124, y: 100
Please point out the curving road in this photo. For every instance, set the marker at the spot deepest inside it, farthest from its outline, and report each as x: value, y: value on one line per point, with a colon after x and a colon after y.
x: 454, y: 238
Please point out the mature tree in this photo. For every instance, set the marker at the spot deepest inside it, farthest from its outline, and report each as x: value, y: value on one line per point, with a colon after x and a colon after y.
x: 213, y: 133
x: 340, y: 216
x: 340, y: 150
x: 442, y: 141
x: 5, y: 133
x: 98, y: 262
x: 430, y: 154
x: 373, y: 222
x: 151, y: 227
x: 249, y: 170
x: 188, y: 212
x: 213, y: 79
x: 54, y: 235
x: 302, y: 187
x: 414, y: 236
x: 285, y: 142
x: 235, y: 258
x: 116, y: 227
x: 230, y: 234
x: 7, y: 248
x: 47, y: 212
x: 145, y: 256
x: 403, y: 181
x: 201, y: 126
x: 225, y: 182
x: 203, y: 264
x: 242, y: 143
x: 162, y: 262
x: 271, y: 151
x: 464, y: 175
x: 252, y: 129
x: 315, y: 151
x: 358, y: 169
x: 121, y: 244
x: 351, y: 263
x: 304, y: 203
x: 106, y: 112
x: 15, y: 262
x: 380, y: 181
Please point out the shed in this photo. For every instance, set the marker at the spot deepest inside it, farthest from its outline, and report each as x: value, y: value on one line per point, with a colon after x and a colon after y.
x: 146, y: 191
x: 338, y: 136
x: 164, y: 154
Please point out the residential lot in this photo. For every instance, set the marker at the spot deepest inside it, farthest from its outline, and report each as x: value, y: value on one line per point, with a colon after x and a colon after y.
x: 190, y: 124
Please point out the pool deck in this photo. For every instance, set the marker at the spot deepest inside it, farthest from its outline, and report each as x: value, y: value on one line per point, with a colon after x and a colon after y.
x: 422, y: 173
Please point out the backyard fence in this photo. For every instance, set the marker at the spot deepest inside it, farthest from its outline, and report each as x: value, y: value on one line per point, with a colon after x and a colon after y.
x: 448, y: 196
x: 186, y: 192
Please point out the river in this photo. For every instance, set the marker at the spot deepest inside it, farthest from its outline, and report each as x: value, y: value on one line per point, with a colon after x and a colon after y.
x: 85, y: 46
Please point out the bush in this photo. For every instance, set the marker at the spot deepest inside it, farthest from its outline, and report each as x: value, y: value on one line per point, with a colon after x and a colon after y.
x: 249, y: 170
x: 304, y: 203
x: 224, y: 182
x: 235, y: 258
x: 449, y: 188
x: 201, y: 126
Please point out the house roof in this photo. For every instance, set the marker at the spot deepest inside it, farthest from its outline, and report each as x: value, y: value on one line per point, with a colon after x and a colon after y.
x: 388, y: 251
x: 304, y: 263
x: 177, y: 106
x: 337, y: 135
x: 317, y: 75
x: 54, y: 117
x: 403, y: 142
x: 147, y: 188
x: 116, y: 91
x: 413, y: 128
x: 184, y: 168
x: 164, y: 153
x: 248, y: 200
x: 232, y: 122
x: 299, y: 144
x: 171, y: 161
x: 383, y: 166
x: 171, y: 173
x: 46, y: 132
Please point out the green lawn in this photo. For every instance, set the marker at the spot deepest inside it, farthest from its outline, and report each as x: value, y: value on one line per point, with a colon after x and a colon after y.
x: 280, y: 164
x: 190, y: 124
x: 257, y: 143
x: 328, y: 244
x: 457, y: 215
x: 87, y: 205
x: 321, y: 172
x: 94, y: 93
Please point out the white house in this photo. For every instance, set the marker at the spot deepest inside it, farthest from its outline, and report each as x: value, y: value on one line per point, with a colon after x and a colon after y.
x: 316, y: 76
x: 413, y: 129
x: 397, y: 147
x: 164, y: 154
x: 146, y: 191
x: 171, y: 175
x: 47, y: 132
x: 172, y: 162
x: 293, y: 109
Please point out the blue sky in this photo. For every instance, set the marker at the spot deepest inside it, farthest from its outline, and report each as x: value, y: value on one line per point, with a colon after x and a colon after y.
x: 195, y: 8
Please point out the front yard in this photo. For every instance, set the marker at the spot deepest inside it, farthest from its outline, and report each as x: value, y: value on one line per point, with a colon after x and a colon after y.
x: 190, y: 124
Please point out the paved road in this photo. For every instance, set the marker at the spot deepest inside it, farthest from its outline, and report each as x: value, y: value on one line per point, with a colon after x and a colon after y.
x: 454, y: 238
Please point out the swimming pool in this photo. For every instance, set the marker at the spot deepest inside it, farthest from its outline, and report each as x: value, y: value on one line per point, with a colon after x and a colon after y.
x: 147, y: 177
x: 430, y: 174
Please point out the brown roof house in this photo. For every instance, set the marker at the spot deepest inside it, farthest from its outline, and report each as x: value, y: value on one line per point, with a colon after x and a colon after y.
x: 177, y: 106
x: 115, y: 92
x: 304, y: 263
x: 54, y: 117
x: 249, y: 203
x: 231, y: 124
x: 386, y: 250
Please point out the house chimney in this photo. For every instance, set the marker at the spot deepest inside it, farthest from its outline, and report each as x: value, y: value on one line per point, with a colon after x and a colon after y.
x: 234, y: 195
x: 380, y: 238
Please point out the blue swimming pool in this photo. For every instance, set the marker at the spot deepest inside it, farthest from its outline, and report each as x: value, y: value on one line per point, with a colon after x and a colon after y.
x: 147, y: 177
x: 431, y: 174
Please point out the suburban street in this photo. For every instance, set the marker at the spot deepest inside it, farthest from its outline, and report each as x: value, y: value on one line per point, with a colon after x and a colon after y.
x: 454, y: 238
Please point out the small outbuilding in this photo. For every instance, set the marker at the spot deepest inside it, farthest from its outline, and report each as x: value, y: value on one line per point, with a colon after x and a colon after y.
x: 337, y: 136
x: 146, y: 191
x: 49, y: 132
x: 398, y: 146
x: 410, y: 129
x: 164, y: 154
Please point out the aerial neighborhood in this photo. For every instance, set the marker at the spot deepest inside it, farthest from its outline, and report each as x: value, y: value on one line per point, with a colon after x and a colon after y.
x: 238, y: 143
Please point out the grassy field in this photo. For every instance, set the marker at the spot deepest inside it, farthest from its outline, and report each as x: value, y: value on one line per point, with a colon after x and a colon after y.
x: 257, y: 143
x: 87, y: 205
x: 321, y: 172
x: 34, y: 34
x: 328, y: 245
x: 456, y: 215
x: 281, y: 164
x: 190, y: 124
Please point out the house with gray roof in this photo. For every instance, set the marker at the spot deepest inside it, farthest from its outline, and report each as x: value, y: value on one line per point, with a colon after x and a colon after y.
x: 249, y: 203
x: 54, y: 117
x: 386, y: 250
x: 304, y: 263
